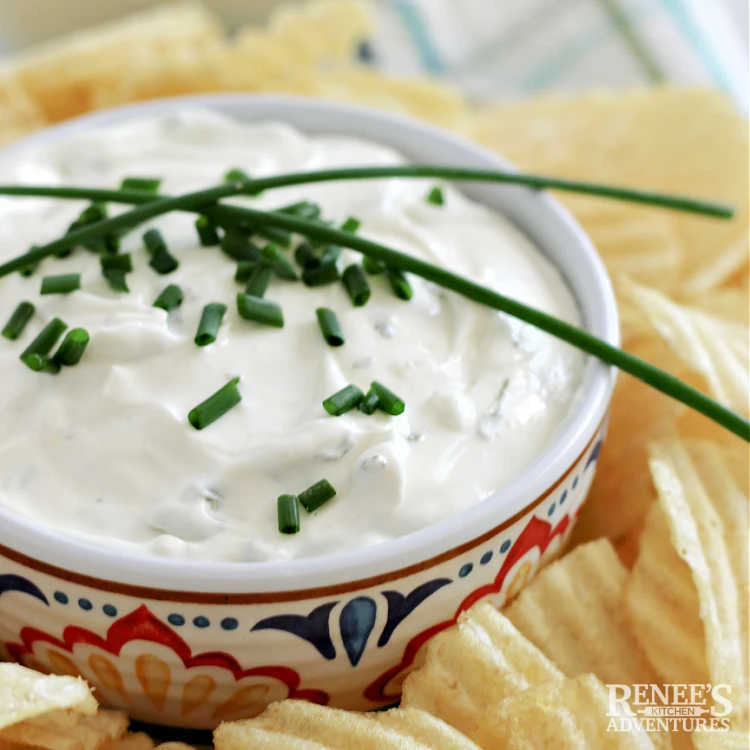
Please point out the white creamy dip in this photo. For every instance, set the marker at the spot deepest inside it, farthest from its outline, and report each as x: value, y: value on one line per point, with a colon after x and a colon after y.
x: 104, y: 450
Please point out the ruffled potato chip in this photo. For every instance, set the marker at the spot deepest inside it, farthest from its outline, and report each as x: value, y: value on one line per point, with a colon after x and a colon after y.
x: 19, y: 116
x: 85, y: 733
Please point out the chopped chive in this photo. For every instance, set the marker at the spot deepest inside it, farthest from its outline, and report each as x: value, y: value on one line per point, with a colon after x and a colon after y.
x: 373, y: 266
x: 351, y: 225
x: 36, y: 354
x: 211, y: 318
x: 93, y: 214
x: 287, y: 508
x: 435, y: 196
x: 275, y: 235
x: 123, y: 262
x: 330, y: 256
x: 279, y: 263
x: 400, y: 284
x: 237, y: 245
x: 317, y: 495
x: 170, y: 298
x: 208, y: 231
x: 260, y: 310
x: 236, y: 175
x: 117, y: 280
x: 342, y: 401
x: 306, y: 257
x: 302, y: 210
x: 72, y: 348
x: 369, y: 403
x: 258, y: 283
x: 29, y: 270
x: 245, y: 270
x: 356, y: 285
x: 63, y: 284
x: 162, y: 261
x: 215, y: 406
x: 330, y: 326
x: 144, y: 184
x: 320, y: 276
x: 18, y: 321
x: 388, y: 401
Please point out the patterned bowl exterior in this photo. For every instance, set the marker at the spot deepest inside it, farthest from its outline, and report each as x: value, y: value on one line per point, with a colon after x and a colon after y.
x: 192, y: 660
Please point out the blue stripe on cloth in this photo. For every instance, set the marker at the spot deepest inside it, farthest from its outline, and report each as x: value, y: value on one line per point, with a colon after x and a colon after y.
x: 411, y: 18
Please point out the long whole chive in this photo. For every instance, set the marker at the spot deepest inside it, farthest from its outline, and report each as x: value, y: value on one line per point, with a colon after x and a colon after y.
x: 36, y: 354
x: 330, y: 326
x: 215, y: 406
x: 372, y: 266
x: 260, y: 310
x: 435, y: 196
x: 237, y: 245
x: 29, y: 270
x: 400, y: 284
x: 258, y: 283
x: 306, y: 257
x: 244, y: 271
x: 351, y: 225
x: 342, y: 401
x: 369, y: 403
x: 18, y: 321
x: 117, y: 279
x: 356, y: 284
x: 388, y: 401
x: 170, y: 298
x: 122, y: 262
x: 72, y: 348
x: 274, y: 235
x: 287, y: 510
x: 62, y: 284
x: 142, y: 184
x: 316, y: 495
x: 320, y: 276
x: 211, y: 319
x: 302, y: 210
x: 279, y: 263
x: 208, y: 232
x: 236, y: 175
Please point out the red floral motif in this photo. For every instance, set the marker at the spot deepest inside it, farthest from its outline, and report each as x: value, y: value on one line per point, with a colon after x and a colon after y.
x: 142, y: 625
x: 538, y: 533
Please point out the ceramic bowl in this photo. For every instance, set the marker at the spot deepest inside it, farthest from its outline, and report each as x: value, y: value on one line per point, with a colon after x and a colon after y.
x: 193, y: 644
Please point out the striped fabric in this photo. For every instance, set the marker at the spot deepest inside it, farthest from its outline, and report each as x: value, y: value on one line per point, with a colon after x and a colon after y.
x: 507, y: 48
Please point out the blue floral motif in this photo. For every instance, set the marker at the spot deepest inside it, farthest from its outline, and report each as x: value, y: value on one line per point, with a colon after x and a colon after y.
x: 357, y: 619
x: 12, y: 582
x: 400, y: 606
x: 314, y: 628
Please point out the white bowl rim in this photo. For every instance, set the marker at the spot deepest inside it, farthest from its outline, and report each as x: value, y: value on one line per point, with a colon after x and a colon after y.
x: 55, y: 550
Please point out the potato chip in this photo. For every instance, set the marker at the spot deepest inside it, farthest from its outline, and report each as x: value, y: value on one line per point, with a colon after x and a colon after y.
x: 474, y: 665
x: 731, y: 305
x: 572, y: 612
x: 86, y: 733
x: 19, y: 115
x: 722, y: 270
x: 719, y: 740
x: 688, y: 592
x: 62, y: 78
x: 298, y: 725
x: 25, y: 695
x: 133, y: 741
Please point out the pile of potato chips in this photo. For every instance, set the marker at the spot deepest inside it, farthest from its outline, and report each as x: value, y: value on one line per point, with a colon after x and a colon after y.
x: 655, y: 588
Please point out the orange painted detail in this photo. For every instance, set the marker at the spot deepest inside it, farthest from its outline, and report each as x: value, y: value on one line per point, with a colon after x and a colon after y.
x: 196, y: 692
x: 107, y: 674
x: 244, y: 704
x: 155, y: 677
x: 61, y: 664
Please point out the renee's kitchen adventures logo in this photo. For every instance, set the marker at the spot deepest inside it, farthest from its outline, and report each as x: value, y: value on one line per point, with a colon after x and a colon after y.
x: 669, y: 707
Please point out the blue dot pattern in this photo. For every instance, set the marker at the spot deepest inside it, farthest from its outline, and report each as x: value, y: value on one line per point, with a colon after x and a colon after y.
x: 505, y: 546
x: 177, y: 620
x: 201, y: 622
x: 465, y: 570
x: 85, y: 604
x: 551, y: 509
x: 563, y: 497
x: 485, y: 558
x: 575, y: 482
x: 229, y: 623
x: 60, y: 597
x: 109, y: 610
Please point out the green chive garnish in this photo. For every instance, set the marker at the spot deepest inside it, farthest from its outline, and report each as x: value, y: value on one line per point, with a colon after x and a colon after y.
x: 435, y: 196
x: 117, y: 280
x: 237, y: 245
x: 317, y: 495
x: 170, y: 298
x: 369, y: 403
x: 245, y: 270
x: 162, y: 261
x: 320, y: 276
x: 342, y: 401
x: 388, y: 401
x: 302, y: 210
x: 258, y: 283
x: 279, y: 263
x: 123, y: 262
x: 236, y: 175
x: 330, y: 256
x: 260, y: 310
x: 306, y: 257
x: 143, y: 184
x: 208, y: 232
x: 330, y: 326
x: 287, y: 507
x: 400, y: 284
x: 372, y: 266
x: 356, y: 285
x: 29, y: 270
x: 72, y: 348
x: 211, y: 318
x: 216, y: 406
x: 63, y: 284
x: 18, y: 321
x: 351, y: 225
x: 91, y: 215
x: 36, y: 355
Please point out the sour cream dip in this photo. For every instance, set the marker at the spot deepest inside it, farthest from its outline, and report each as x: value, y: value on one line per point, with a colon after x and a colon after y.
x: 104, y: 450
